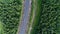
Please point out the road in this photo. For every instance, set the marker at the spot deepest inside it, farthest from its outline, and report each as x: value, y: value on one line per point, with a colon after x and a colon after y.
x: 25, y: 18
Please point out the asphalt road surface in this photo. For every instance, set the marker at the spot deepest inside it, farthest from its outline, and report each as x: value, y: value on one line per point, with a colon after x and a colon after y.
x: 25, y: 19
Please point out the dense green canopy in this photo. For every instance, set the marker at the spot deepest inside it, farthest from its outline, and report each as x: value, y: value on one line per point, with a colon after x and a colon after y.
x: 48, y: 20
x: 10, y: 11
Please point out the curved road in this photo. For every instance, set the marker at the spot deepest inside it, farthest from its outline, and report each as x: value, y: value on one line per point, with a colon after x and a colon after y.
x: 25, y: 18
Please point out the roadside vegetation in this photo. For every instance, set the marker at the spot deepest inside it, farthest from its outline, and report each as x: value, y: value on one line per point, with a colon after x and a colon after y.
x: 37, y: 16
x: 31, y: 16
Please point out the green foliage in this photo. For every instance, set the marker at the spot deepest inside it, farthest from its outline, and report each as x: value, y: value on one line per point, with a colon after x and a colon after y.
x: 49, y: 19
x: 10, y: 11
x: 1, y: 28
